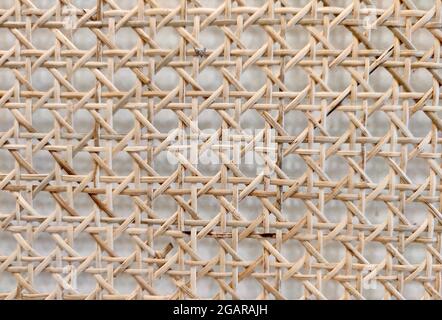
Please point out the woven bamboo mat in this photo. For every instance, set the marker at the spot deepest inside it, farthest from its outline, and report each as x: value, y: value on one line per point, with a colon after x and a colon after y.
x: 231, y: 149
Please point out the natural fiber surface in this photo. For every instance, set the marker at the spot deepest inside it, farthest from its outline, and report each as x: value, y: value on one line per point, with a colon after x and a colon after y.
x: 346, y: 94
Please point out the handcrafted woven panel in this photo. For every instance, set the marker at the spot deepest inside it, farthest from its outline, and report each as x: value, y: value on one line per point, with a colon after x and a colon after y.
x: 231, y: 149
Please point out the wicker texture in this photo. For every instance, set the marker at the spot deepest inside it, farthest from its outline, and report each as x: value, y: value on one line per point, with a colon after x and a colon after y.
x: 350, y: 123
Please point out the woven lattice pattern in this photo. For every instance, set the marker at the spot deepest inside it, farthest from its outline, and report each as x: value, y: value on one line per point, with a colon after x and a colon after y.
x: 339, y: 102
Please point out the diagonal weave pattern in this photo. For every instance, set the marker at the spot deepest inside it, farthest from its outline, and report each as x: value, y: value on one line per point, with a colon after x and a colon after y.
x: 349, y: 207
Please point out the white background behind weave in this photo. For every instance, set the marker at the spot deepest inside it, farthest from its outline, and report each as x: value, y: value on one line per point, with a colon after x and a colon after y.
x: 165, y: 120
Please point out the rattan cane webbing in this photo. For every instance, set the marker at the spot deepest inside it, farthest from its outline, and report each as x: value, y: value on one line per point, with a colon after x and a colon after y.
x: 359, y: 96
